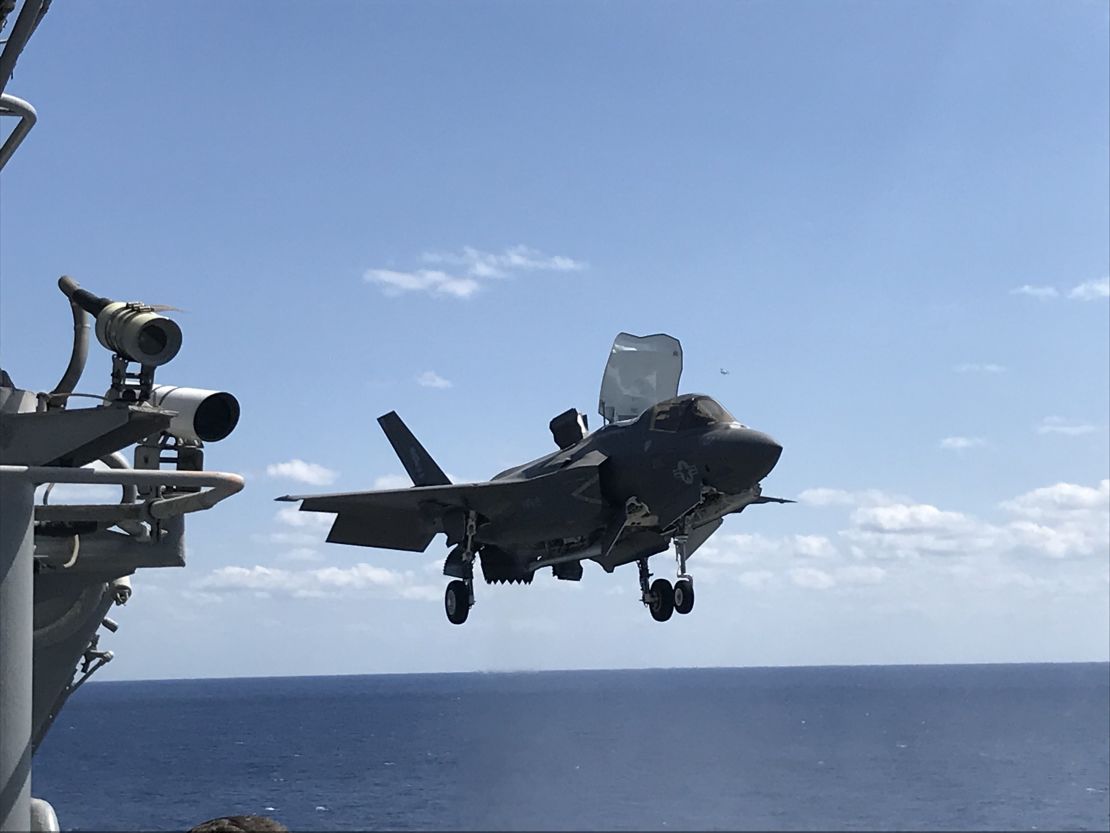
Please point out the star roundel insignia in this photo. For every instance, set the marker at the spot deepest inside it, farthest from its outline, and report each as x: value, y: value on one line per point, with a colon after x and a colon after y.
x: 684, y: 472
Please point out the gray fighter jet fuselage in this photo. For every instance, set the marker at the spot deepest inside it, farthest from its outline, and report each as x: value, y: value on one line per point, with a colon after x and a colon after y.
x: 680, y: 454
x: 615, y: 496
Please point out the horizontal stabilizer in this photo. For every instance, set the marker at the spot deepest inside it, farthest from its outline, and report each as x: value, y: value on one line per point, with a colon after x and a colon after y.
x: 389, y: 529
x: 417, y: 462
x: 765, y: 499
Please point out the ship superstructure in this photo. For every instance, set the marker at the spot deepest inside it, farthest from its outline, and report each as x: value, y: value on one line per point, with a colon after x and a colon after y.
x: 63, y: 566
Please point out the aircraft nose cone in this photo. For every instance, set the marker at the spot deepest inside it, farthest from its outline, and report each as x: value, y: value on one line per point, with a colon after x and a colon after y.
x: 765, y: 452
x: 741, y: 457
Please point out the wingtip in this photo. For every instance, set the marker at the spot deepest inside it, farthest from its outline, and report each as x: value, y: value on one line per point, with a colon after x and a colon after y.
x: 287, y: 499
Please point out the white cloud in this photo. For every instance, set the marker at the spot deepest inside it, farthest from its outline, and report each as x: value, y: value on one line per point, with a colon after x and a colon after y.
x: 479, y: 264
x: 291, y: 516
x: 1058, y: 521
x: 915, y: 530
x: 471, y: 270
x: 315, y: 583
x: 978, y: 367
x: 813, y: 546
x: 312, y: 473
x: 392, y: 481
x: 811, y: 578
x: 1067, y: 427
x: 919, y: 517
x: 430, y: 281
x: 301, y: 530
x: 1060, y: 500
x: 961, y: 443
x: 860, y: 574
x: 431, y: 379
x: 1042, y: 292
x: 1091, y: 290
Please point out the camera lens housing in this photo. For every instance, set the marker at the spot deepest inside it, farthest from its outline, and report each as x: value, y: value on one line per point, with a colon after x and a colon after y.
x: 138, y: 333
x: 202, y: 415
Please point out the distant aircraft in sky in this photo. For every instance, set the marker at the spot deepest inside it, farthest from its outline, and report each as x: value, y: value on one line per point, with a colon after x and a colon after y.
x: 664, y: 468
x: 724, y: 372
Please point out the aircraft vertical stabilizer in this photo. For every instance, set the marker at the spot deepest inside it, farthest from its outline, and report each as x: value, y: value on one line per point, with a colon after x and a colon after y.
x: 417, y: 462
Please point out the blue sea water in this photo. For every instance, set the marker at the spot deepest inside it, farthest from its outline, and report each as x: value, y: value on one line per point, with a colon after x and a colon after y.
x: 899, y: 747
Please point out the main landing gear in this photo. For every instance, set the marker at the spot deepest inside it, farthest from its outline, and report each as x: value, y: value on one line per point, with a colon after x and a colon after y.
x: 659, y: 596
x: 459, y: 597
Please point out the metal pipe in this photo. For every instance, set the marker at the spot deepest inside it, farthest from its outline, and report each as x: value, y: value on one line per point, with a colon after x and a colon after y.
x: 25, y: 24
x: 80, y: 352
x: 12, y: 106
x: 221, y: 485
x: 117, y: 461
x: 17, y: 501
x: 88, y: 301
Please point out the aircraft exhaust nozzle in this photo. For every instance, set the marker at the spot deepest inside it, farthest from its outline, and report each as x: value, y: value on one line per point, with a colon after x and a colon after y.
x: 202, y: 415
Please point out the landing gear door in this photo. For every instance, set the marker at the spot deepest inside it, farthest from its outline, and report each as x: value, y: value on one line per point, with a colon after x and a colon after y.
x: 641, y: 371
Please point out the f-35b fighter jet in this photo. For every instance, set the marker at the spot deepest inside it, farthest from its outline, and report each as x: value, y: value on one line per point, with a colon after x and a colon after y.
x: 663, y: 468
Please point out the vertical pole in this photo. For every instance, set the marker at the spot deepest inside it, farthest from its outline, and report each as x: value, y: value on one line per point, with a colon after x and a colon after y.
x: 17, y: 496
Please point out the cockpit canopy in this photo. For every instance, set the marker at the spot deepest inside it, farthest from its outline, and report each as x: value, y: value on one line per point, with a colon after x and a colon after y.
x: 641, y: 371
x: 692, y: 410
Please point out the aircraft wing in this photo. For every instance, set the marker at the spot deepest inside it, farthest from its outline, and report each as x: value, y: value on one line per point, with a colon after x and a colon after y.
x: 408, y: 519
x: 765, y: 499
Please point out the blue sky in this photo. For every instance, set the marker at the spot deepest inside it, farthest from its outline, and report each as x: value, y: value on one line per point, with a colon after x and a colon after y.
x: 887, y: 221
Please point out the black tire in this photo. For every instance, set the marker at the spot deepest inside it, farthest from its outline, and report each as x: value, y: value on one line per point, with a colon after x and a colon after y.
x: 683, y: 596
x: 456, y: 601
x: 662, y: 600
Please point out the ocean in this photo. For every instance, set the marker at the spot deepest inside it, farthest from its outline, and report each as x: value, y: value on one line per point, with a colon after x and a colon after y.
x: 1015, y: 747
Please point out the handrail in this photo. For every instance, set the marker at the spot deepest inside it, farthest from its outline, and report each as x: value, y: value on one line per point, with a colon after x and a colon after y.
x: 12, y: 106
x: 220, y: 485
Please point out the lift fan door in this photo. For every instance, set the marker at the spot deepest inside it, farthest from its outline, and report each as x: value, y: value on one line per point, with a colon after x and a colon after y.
x: 641, y: 371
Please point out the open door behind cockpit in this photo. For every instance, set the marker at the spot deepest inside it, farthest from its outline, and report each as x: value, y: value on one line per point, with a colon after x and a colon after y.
x: 641, y: 371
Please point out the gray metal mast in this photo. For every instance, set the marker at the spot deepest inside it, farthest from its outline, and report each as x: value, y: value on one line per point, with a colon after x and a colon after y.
x: 63, y: 566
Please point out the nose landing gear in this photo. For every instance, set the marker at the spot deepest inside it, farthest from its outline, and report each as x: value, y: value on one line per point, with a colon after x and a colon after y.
x: 684, y: 587
x: 683, y: 596
x: 658, y: 597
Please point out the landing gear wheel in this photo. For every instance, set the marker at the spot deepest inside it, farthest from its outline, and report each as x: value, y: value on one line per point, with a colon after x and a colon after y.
x: 456, y: 601
x: 683, y: 596
x: 662, y: 600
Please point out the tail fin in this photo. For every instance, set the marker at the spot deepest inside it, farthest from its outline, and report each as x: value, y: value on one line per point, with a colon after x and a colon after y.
x: 417, y: 462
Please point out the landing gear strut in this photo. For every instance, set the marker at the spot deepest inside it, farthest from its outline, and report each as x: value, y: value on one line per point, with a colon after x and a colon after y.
x: 459, y: 597
x: 659, y: 596
x: 684, y: 587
